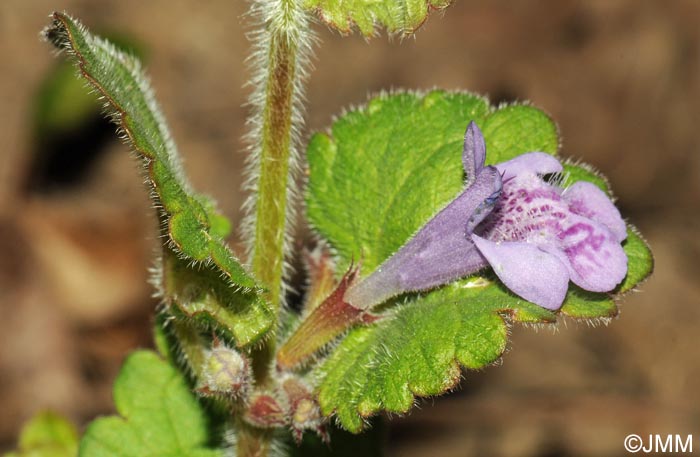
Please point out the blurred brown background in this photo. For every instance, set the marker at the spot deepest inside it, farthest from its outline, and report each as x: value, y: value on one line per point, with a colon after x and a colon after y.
x: 620, y: 77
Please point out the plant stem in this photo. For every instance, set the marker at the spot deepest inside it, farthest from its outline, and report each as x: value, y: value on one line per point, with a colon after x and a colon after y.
x: 191, y: 345
x: 281, y: 46
x: 270, y: 225
x: 271, y: 207
x: 253, y: 442
x: 280, y: 49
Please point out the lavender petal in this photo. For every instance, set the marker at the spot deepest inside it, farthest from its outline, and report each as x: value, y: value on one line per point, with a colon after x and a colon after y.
x: 440, y: 252
x: 598, y: 262
x: 528, y: 271
x: 586, y: 199
x: 539, y: 163
x: 474, y: 152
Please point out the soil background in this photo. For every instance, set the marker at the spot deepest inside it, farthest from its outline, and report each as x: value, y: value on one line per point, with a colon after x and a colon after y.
x: 621, y: 78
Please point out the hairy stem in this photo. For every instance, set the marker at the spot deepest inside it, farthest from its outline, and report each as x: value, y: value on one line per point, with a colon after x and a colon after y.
x: 271, y: 208
x: 279, y: 57
x: 190, y: 344
x: 280, y: 52
x: 274, y: 167
x: 281, y: 47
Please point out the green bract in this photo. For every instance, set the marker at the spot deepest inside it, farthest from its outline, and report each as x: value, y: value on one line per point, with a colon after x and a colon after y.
x: 191, y: 223
x: 381, y: 173
x: 159, y: 415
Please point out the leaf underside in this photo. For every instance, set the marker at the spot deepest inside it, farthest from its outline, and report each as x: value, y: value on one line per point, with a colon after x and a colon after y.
x: 159, y: 415
x: 381, y: 173
x: 192, y: 226
x: 396, y: 16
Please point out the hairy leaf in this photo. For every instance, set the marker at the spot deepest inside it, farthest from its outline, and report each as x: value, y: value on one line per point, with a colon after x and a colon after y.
x: 193, y: 228
x: 379, y: 175
x: 641, y: 261
x: 158, y: 415
x: 402, y: 16
x: 199, y: 295
x: 419, y: 350
x: 47, y: 435
x: 62, y: 103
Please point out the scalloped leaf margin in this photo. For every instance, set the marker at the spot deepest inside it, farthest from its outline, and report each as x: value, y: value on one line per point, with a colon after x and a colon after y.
x: 396, y: 16
x: 374, y: 180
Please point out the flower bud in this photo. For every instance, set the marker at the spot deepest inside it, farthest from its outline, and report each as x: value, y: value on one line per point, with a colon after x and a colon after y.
x: 303, y: 410
x: 224, y: 372
x: 264, y: 411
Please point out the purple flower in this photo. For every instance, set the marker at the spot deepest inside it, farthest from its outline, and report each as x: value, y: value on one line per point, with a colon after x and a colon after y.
x: 535, y: 235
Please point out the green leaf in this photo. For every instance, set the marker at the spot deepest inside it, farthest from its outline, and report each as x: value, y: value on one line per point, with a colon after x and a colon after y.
x: 640, y: 260
x: 582, y: 172
x: 62, y: 103
x: 419, y: 351
x: 382, y: 172
x: 193, y: 226
x: 47, y: 435
x: 199, y: 295
x: 397, y: 16
x: 583, y: 304
x: 158, y: 415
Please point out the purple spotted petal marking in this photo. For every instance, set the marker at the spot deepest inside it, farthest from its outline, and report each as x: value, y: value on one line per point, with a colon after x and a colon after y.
x: 598, y: 262
x: 587, y: 200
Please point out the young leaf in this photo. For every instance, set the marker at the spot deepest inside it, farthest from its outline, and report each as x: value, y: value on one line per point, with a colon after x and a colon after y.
x: 194, y: 229
x: 382, y: 173
x: 47, y: 435
x: 397, y: 16
x: 159, y: 415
